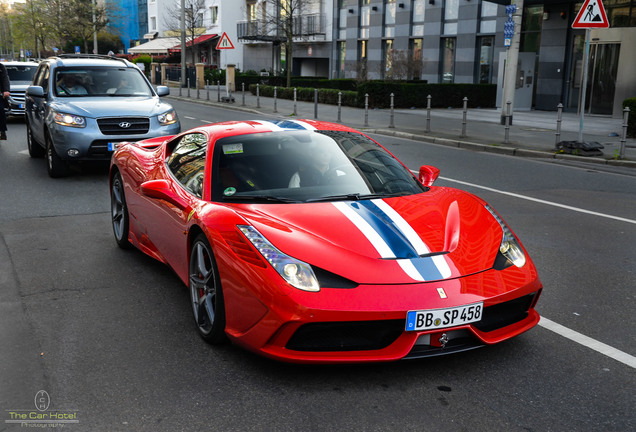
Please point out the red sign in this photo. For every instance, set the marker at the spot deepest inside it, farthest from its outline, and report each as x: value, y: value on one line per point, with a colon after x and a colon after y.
x: 591, y: 15
x: 224, y: 43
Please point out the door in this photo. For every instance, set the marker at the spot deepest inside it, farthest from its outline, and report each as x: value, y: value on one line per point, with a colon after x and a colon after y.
x: 524, y: 84
x: 601, y: 84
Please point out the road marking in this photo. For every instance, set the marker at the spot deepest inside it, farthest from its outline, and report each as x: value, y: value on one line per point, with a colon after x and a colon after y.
x: 604, y: 349
x: 537, y: 200
x: 190, y: 118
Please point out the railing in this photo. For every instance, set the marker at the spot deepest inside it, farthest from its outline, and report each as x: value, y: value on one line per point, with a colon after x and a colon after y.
x: 304, y: 25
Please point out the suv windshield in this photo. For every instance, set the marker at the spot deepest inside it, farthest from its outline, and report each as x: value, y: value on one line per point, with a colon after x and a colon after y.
x: 306, y: 166
x: 20, y: 73
x: 87, y: 81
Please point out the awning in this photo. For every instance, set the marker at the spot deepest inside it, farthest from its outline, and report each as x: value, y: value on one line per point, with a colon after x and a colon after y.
x: 151, y: 35
x: 155, y: 46
x: 197, y: 40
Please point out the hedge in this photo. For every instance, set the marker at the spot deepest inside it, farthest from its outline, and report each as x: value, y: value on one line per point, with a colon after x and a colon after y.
x: 406, y: 95
x: 631, y: 123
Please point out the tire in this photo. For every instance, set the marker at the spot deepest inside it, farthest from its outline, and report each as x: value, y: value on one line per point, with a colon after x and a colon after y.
x: 119, y: 212
x: 56, y: 166
x: 206, y: 295
x: 35, y: 149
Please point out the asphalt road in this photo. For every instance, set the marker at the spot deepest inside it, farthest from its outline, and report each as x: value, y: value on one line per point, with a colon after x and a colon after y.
x: 108, y: 334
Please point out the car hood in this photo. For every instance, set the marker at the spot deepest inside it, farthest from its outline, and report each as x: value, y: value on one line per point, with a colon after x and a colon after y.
x: 440, y: 234
x: 20, y: 86
x: 94, y: 107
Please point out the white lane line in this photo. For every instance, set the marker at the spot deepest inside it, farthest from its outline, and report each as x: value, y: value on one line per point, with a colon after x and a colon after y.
x: 537, y: 200
x: 190, y: 118
x: 604, y: 349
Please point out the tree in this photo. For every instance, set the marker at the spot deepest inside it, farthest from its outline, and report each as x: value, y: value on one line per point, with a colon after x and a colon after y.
x: 194, y: 27
x: 287, y: 20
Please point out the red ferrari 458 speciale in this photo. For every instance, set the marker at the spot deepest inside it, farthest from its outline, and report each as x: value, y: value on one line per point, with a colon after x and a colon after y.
x: 308, y: 242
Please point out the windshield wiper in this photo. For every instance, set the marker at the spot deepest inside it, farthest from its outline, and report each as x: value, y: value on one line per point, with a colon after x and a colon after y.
x: 350, y: 197
x: 260, y: 198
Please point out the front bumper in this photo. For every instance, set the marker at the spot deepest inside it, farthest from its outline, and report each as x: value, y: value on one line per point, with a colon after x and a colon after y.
x: 90, y: 143
x: 368, y: 323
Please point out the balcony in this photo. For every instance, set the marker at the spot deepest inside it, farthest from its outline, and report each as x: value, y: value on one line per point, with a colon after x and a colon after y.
x: 303, y: 26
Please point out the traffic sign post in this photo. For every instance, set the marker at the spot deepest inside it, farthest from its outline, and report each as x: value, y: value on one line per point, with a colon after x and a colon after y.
x: 592, y: 15
x: 224, y: 44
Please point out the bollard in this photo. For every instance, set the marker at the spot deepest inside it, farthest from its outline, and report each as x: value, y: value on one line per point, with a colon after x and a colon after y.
x: 557, y: 138
x: 197, y: 89
x: 621, y: 151
x: 316, y: 104
x: 428, y: 113
x: 366, y: 109
x: 180, y: 85
x: 391, y: 124
x: 243, y: 93
x: 275, y: 91
x: 339, y: 107
x: 507, y: 127
x: 295, y: 111
x: 218, y: 91
x: 207, y: 88
x: 229, y: 95
x: 258, y: 95
x: 464, y: 117
x: 188, y: 81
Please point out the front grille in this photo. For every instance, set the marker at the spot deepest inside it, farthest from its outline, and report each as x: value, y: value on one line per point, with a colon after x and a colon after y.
x: 505, y: 314
x: 18, y: 97
x: 117, y: 125
x: 346, y: 336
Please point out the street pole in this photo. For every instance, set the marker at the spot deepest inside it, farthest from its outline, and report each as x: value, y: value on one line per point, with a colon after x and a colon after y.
x: 586, y: 59
x: 94, y: 31
x: 183, y: 44
x: 512, y: 58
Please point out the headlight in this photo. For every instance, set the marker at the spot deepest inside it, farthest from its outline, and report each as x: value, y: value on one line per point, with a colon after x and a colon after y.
x: 510, y: 251
x: 297, y: 273
x: 69, y: 120
x: 168, y: 118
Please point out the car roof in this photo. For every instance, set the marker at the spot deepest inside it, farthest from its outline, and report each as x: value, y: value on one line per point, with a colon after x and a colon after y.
x: 89, y: 60
x: 19, y: 63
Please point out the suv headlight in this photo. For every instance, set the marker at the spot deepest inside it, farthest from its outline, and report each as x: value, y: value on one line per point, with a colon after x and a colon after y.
x: 168, y: 118
x: 69, y: 120
x: 510, y: 251
x: 297, y: 273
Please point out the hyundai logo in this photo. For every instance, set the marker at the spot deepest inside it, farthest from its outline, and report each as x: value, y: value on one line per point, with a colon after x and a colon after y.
x: 125, y: 125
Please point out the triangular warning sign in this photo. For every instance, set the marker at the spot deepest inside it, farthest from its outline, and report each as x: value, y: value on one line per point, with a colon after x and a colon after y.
x: 591, y: 15
x: 224, y: 42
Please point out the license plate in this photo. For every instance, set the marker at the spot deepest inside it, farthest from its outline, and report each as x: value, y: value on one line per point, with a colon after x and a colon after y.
x: 111, y: 146
x: 441, y: 318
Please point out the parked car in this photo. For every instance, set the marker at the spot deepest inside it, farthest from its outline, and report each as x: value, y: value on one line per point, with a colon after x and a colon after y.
x: 21, y: 75
x: 80, y: 106
x: 309, y: 242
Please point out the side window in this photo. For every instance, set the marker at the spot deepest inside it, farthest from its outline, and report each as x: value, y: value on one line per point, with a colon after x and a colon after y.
x: 42, y: 77
x: 187, y: 162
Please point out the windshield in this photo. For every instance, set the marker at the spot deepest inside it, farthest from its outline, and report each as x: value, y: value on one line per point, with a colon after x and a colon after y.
x: 115, y: 82
x: 306, y: 166
x: 19, y: 73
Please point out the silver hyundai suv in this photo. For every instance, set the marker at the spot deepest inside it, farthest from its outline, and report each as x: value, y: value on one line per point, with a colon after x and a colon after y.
x: 80, y: 106
x: 20, y: 76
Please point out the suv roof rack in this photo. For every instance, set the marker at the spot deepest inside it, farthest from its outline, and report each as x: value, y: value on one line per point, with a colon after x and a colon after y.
x: 92, y: 56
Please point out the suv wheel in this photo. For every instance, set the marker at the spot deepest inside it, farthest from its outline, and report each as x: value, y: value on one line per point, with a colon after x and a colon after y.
x: 56, y: 166
x: 35, y: 149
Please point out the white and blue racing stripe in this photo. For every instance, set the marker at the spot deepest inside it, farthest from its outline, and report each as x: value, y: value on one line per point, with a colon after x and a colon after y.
x: 393, y: 238
x: 278, y: 125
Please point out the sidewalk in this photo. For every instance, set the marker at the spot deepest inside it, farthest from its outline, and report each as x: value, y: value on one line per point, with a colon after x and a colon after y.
x: 533, y: 133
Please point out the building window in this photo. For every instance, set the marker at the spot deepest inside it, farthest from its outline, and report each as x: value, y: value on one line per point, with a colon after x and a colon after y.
x: 342, y: 51
x: 389, y: 18
x: 388, y: 58
x: 362, y: 60
x: 485, y: 50
x: 214, y: 13
x: 531, y: 29
x: 365, y: 19
x: 415, y: 59
x: 451, y: 14
x: 488, y: 23
x: 417, y: 18
x: 448, y: 60
x: 153, y: 23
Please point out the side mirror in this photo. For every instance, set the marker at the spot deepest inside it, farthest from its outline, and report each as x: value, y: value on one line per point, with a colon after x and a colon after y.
x: 35, y: 91
x: 428, y: 175
x: 160, y: 189
x: 163, y: 91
